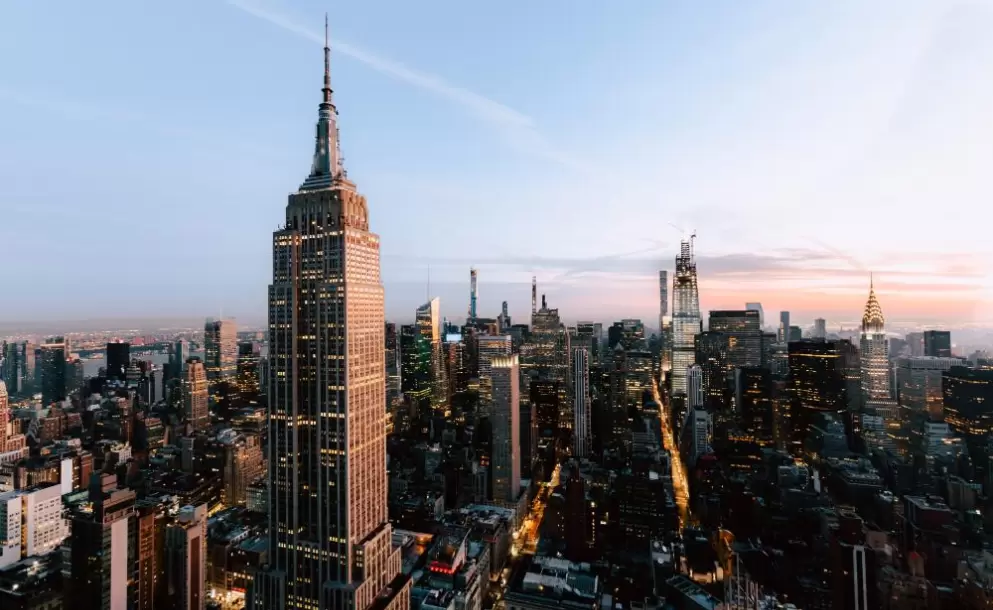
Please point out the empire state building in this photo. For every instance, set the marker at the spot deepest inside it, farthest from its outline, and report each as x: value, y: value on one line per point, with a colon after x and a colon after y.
x: 330, y: 541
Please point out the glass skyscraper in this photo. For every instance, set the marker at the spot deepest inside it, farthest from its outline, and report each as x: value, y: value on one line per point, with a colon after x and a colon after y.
x: 685, y: 316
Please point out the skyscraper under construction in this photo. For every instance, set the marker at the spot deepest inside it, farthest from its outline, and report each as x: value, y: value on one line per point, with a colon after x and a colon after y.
x: 685, y: 315
x: 330, y: 540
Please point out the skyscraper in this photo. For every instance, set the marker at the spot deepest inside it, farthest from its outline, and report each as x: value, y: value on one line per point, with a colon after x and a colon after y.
x: 220, y: 350
x: 817, y: 383
x: 744, y: 335
x: 428, y: 320
x: 53, y: 369
x: 330, y: 540
x: 820, y: 329
x: 685, y: 316
x: 472, y: 293
x: 4, y: 416
x: 757, y: 307
x: 581, y: 400
x: 195, y: 395
x: 874, y: 351
x: 665, y: 324
x: 249, y: 356
x: 118, y: 359
x: 938, y: 343
x: 506, y: 426
x: 783, y: 333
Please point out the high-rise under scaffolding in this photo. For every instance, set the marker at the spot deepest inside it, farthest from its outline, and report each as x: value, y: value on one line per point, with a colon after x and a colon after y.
x: 685, y: 315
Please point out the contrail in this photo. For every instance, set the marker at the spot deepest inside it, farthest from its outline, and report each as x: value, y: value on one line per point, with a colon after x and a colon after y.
x: 480, y: 106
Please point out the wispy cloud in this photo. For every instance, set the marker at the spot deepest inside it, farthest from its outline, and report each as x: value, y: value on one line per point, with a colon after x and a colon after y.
x: 518, y: 129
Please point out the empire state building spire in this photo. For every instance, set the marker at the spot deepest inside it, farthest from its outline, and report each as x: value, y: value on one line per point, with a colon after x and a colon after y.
x: 326, y: 169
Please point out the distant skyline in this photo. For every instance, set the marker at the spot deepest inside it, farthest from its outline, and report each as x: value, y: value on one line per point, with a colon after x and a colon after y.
x: 149, y: 148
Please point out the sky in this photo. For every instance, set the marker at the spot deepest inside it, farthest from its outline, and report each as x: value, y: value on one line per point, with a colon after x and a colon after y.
x: 147, y: 149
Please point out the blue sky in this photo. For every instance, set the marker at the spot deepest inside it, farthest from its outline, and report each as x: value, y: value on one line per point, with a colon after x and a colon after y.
x: 147, y: 150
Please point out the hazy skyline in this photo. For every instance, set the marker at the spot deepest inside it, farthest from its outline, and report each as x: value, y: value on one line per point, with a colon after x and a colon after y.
x: 148, y: 151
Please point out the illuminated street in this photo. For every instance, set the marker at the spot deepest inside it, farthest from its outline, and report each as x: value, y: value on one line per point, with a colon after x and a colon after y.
x: 527, y: 536
x: 680, y: 486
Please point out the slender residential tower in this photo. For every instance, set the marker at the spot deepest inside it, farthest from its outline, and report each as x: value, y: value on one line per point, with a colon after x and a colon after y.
x: 685, y: 316
x: 665, y: 324
x: 472, y: 293
x: 330, y: 539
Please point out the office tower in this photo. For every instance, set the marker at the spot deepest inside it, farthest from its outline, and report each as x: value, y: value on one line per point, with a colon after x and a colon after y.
x: 220, y: 350
x: 186, y: 558
x: 816, y: 384
x: 757, y: 307
x: 665, y: 325
x: 938, y: 343
x: 179, y: 352
x: 506, y: 423
x: 783, y: 335
x: 582, y: 402
x: 587, y: 334
x: 753, y: 404
x: 415, y: 366
x: 685, y: 316
x: 99, y: 556
x: 534, y: 297
x: 639, y: 374
x: 31, y: 522
x: 195, y: 395
x: 711, y: 353
x: 919, y: 392
x: 248, y: 381
x: 74, y: 375
x: 695, y: 435
x: 968, y: 394
x: 242, y: 463
x: 473, y: 295
x: 428, y: 321
x: 696, y: 396
x: 744, y: 335
x: 4, y: 417
x: 874, y: 352
x: 820, y: 329
x: 545, y: 355
x: 503, y: 320
x: 394, y: 386
x: 489, y: 347
x: 330, y: 540
x: 630, y: 334
x: 915, y: 342
x: 14, y: 370
x: 118, y: 359
x: 53, y: 369
x: 663, y: 298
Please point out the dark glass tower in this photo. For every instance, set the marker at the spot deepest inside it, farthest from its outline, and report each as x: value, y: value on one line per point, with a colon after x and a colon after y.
x: 330, y: 541
x: 118, y: 359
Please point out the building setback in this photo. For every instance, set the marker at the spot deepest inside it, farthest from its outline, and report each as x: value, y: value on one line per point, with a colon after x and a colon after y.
x: 330, y: 539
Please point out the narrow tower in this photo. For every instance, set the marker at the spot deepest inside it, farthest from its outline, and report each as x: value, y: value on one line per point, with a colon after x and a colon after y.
x: 534, y: 295
x: 330, y: 539
x: 472, y: 293
x: 685, y: 316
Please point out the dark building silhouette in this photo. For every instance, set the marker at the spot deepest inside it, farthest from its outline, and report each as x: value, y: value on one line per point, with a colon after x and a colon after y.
x: 52, y: 364
x: 118, y: 359
x: 744, y: 335
x: 938, y: 343
x: 712, y: 357
x: 817, y: 383
x: 753, y: 401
